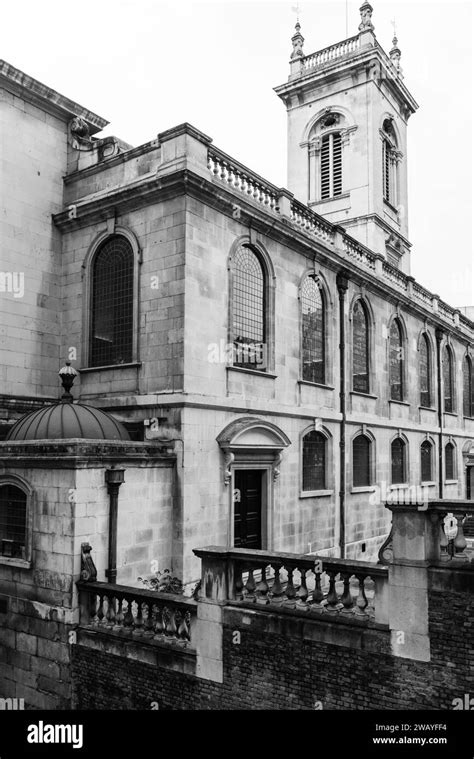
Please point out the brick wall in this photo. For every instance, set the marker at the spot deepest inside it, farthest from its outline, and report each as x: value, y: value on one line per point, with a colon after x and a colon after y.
x: 286, y: 671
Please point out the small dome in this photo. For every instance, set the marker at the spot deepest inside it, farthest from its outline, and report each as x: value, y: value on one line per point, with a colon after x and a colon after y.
x: 67, y: 420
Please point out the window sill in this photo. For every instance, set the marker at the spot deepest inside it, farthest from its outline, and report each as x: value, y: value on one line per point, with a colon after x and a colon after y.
x: 363, y: 395
x: 109, y: 367
x: 427, y: 408
x: 328, y: 200
x: 316, y: 384
x: 11, y: 562
x: 363, y: 489
x: 398, y: 403
x: 389, y: 205
x: 451, y: 482
x: 251, y: 371
x: 450, y: 413
x: 399, y: 486
x: 469, y: 418
x: 315, y: 493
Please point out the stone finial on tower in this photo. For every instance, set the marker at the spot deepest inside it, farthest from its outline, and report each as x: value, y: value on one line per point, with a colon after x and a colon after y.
x: 395, y: 52
x: 366, y: 17
x: 297, y: 42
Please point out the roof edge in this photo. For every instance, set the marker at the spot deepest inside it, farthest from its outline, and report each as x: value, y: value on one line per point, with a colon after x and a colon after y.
x: 39, y: 94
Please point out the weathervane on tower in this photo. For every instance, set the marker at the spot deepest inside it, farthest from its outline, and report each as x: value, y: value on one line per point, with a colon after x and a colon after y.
x: 297, y: 39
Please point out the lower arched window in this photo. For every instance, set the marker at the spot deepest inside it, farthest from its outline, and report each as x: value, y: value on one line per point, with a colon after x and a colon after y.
x: 314, y: 461
x: 426, y: 461
x: 13, y: 524
x: 449, y: 461
x: 361, y: 461
x: 398, y: 462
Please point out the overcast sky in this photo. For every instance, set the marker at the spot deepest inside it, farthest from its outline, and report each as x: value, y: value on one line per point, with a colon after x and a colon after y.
x: 147, y: 65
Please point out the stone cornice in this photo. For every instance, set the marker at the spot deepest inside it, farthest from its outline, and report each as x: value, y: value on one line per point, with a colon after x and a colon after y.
x: 19, y: 83
x: 222, y: 197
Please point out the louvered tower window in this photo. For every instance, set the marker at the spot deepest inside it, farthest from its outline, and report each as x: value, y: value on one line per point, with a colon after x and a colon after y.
x: 449, y: 461
x: 468, y: 389
x: 360, y: 349
x: 331, y: 165
x: 448, y: 380
x: 314, y: 461
x: 425, y: 372
x: 361, y: 461
x: 313, y: 326
x: 386, y: 171
x: 12, y: 522
x: 426, y: 461
x: 396, y: 361
x: 248, y: 308
x: 112, y: 303
x: 398, y: 461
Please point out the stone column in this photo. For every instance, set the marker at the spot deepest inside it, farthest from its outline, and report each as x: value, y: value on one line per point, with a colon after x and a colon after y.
x: 214, y: 594
x: 415, y: 547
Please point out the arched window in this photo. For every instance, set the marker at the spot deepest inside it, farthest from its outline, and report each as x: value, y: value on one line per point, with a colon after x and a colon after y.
x: 314, y: 461
x: 248, y: 310
x: 425, y: 371
x: 331, y: 165
x: 396, y: 361
x: 449, y: 462
x: 13, y: 524
x: 398, y: 461
x: 426, y: 451
x: 448, y: 379
x: 313, y: 327
x: 468, y: 388
x: 112, y: 303
x: 360, y: 348
x: 361, y: 461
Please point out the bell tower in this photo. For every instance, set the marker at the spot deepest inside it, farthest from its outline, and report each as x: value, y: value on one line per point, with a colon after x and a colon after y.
x: 348, y: 109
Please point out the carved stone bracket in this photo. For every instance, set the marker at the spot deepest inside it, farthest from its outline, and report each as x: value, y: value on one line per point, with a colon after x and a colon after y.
x: 79, y: 137
x: 386, y: 549
x: 276, y: 466
x: 229, y: 459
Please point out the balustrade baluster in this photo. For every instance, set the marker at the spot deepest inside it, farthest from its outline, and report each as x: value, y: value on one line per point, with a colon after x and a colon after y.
x: 250, y: 587
x: 333, y: 603
x: 361, y: 602
x: 290, y: 591
x: 443, y: 540
x: 93, y: 608
x: 171, y: 628
x: 182, y: 625
x: 110, y: 616
x: 217, y: 168
x: 138, y: 623
x: 119, y: 616
x: 346, y: 598
x: 460, y: 542
x: 128, y: 618
x: 238, y: 583
x: 223, y: 172
x: 277, y: 591
x: 302, y: 592
x: 318, y: 595
x: 159, y: 622
x: 149, y: 623
x: 100, y: 611
x: 261, y: 590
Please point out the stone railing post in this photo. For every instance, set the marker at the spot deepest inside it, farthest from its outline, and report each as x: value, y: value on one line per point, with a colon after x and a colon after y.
x: 184, y: 147
x: 415, y: 547
x: 284, y: 203
x: 209, y: 627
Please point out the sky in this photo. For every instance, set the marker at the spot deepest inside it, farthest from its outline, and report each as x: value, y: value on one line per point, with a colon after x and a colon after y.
x: 148, y: 65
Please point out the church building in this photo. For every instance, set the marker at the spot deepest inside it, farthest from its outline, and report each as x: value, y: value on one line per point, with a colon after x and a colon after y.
x: 257, y: 362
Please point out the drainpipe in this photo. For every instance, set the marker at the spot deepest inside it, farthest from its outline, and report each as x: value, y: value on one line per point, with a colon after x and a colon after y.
x: 439, y: 339
x: 342, y: 285
x: 114, y: 477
